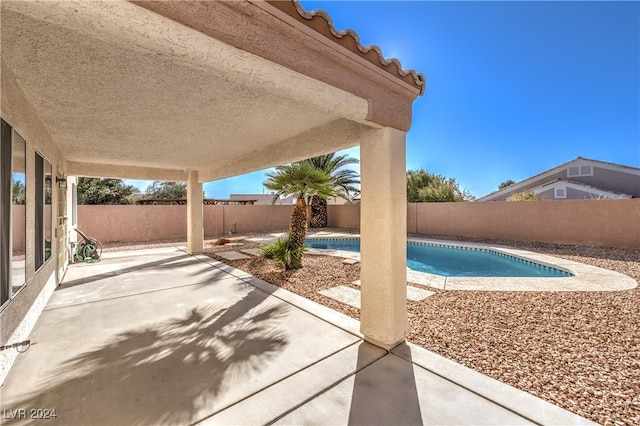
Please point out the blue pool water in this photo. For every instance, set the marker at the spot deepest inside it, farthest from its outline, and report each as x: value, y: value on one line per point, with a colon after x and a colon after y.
x: 454, y: 261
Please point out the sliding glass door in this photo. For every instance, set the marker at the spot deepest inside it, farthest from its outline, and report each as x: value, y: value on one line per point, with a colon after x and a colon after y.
x: 13, y: 201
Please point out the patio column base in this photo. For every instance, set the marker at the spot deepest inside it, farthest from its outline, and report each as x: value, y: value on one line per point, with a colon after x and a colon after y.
x: 386, y: 346
x: 195, y: 228
x: 383, y: 230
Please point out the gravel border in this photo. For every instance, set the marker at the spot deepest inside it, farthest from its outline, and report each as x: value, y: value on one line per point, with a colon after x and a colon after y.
x: 577, y: 350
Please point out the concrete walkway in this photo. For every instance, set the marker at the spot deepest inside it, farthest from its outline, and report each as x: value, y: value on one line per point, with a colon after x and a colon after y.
x: 160, y: 337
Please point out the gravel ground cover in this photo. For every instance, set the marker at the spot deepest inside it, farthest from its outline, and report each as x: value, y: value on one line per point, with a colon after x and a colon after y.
x: 578, y: 350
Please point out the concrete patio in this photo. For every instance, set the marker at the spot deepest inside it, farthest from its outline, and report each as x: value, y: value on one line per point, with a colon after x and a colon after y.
x: 162, y: 337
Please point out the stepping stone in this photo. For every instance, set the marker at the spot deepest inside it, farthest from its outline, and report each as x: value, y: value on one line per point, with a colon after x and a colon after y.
x: 413, y: 293
x: 252, y: 251
x: 347, y: 295
x: 350, y: 261
x: 234, y: 244
x: 417, y: 294
x: 430, y: 280
x: 233, y: 255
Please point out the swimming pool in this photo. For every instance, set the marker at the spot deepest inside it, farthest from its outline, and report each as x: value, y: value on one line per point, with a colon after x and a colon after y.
x: 453, y: 260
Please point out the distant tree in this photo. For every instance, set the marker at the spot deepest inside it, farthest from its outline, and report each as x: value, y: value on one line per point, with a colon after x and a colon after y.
x: 506, y: 183
x: 424, y: 187
x: 105, y: 191
x: 167, y: 190
x: 18, y: 192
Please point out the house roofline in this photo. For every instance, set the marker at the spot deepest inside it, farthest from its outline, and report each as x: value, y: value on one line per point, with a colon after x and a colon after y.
x: 579, y: 186
x: 518, y: 185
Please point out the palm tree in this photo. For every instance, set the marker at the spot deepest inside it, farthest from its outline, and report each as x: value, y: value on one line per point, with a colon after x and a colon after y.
x: 342, y: 180
x: 301, y: 180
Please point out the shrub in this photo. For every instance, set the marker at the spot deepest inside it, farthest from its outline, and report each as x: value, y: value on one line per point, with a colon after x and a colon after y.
x: 284, y: 253
x: 527, y: 195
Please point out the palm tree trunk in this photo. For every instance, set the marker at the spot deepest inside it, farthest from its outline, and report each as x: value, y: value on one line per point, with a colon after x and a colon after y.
x: 319, y: 216
x: 298, y: 224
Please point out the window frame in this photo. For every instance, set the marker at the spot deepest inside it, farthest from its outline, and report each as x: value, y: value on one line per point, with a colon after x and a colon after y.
x: 13, y: 149
x: 560, y: 191
x: 38, y: 255
x: 40, y: 246
x: 578, y: 170
x: 6, y: 148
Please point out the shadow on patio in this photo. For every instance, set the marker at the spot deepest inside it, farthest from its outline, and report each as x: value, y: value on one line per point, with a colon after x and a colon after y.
x: 167, y: 372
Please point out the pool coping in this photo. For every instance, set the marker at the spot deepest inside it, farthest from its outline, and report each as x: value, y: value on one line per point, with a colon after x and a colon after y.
x: 585, y: 277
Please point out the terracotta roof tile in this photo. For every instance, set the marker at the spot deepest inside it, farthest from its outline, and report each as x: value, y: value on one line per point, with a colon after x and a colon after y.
x: 321, y: 22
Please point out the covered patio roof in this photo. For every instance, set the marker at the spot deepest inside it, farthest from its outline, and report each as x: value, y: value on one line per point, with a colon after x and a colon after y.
x: 150, y: 90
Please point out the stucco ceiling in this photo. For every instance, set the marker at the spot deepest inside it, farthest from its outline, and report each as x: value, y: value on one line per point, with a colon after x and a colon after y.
x: 117, y: 85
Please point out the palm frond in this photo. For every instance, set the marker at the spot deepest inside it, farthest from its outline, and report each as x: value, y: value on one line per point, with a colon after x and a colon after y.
x: 299, y: 179
x: 343, y: 180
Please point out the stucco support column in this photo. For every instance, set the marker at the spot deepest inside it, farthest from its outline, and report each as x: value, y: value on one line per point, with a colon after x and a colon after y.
x: 383, y: 229
x: 195, y: 228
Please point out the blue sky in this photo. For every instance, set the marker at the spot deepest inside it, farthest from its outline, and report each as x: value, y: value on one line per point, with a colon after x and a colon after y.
x: 513, y: 88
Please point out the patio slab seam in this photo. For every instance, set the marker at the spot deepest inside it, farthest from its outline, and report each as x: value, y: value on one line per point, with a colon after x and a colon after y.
x: 301, y: 371
x: 331, y: 386
x: 130, y: 295
x: 470, y: 389
x: 338, y: 320
x: 519, y: 402
x: 234, y: 272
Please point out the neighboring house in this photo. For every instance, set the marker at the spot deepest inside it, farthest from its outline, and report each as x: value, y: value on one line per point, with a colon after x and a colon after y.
x: 581, y: 178
x: 340, y: 200
x: 263, y: 199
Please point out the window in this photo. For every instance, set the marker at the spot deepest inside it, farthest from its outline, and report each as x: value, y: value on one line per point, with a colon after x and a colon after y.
x: 19, y: 214
x: 12, y: 212
x: 43, y: 173
x: 48, y: 211
x: 580, y: 170
x: 586, y: 170
x: 560, y: 190
x: 5, y: 212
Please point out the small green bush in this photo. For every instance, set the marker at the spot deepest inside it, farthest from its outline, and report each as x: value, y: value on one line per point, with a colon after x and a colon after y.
x: 282, y: 252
